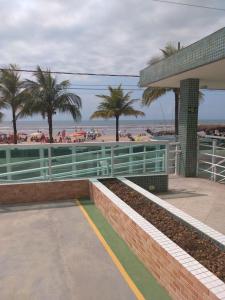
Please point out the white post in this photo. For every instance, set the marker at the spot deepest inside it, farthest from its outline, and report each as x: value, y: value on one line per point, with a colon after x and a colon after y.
x: 130, y: 159
x: 112, y: 161
x: 104, y: 163
x: 157, y: 163
x: 213, y: 177
x: 144, y: 161
x: 198, y: 155
x: 50, y: 162
x: 42, y: 164
x: 166, y: 159
x: 176, y: 159
x: 103, y: 151
x: 8, y: 161
x: 98, y: 165
x: 74, y: 158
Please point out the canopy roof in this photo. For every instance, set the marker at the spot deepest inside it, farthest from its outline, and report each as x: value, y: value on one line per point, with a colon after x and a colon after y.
x: 204, y: 59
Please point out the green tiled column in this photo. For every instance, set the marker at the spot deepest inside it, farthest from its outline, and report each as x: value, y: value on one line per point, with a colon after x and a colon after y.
x: 188, y: 123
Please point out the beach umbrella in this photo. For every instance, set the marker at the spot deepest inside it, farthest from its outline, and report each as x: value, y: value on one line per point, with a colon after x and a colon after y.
x: 82, y: 132
x: 77, y: 134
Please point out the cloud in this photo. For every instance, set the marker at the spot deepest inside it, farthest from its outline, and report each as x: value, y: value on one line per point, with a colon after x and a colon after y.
x: 96, y: 35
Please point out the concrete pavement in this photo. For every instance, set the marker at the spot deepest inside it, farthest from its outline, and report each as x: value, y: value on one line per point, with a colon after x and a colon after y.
x: 50, y: 252
x: 201, y: 198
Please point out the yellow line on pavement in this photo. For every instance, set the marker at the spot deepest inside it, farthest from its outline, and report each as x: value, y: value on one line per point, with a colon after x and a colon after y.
x: 123, y: 272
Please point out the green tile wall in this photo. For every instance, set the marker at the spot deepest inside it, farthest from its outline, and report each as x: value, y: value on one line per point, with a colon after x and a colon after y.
x: 154, y: 183
x: 188, y: 123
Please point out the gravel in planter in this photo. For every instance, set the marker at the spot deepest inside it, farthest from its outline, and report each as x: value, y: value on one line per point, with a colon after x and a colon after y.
x: 202, y: 249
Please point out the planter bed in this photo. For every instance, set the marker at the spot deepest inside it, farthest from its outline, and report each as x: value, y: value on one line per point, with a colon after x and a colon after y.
x: 199, y: 247
x: 176, y: 270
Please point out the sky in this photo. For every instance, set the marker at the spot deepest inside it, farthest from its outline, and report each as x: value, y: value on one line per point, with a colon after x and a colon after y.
x: 110, y: 36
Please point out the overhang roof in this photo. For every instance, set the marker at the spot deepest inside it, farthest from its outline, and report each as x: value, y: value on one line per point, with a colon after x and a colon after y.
x: 204, y: 59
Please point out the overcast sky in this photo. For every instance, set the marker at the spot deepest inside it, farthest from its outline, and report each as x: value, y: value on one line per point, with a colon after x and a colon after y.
x: 111, y: 36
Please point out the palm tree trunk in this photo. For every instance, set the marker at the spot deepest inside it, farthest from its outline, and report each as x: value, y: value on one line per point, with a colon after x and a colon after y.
x: 50, y: 128
x: 177, y: 100
x: 117, y: 128
x: 14, y: 127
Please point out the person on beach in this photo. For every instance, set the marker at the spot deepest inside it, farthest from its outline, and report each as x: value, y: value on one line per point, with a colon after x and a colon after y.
x: 63, y: 135
x: 42, y: 139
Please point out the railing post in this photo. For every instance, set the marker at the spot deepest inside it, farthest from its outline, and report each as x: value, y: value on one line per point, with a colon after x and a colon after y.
x: 176, y: 159
x: 157, y: 156
x: 50, y: 162
x: 112, y: 161
x: 198, y: 155
x: 98, y: 165
x: 213, y: 177
x: 74, y: 161
x: 41, y: 157
x: 130, y: 159
x: 144, y: 160
x: 8, y: 161
x: 166, y: 158
x: 104, y: 164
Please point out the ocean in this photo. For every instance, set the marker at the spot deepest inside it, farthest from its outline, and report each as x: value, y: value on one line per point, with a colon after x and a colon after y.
x: 106, y: 126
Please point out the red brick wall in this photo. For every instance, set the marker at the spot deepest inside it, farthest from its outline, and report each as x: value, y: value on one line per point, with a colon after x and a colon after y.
x: 178, y: 281
x: 43, y: 191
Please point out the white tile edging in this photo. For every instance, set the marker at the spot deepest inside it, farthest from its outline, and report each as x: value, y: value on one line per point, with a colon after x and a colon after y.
x: 210, y: 232
x: 208, y: 279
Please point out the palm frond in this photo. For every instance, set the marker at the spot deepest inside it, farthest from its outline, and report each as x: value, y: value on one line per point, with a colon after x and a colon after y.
x: 169, y: 50
x: 133, y: 112
x: 116, y: 104
x: 151, y: 94
x: 102, y: 114
x: 1, y: 116
x: 49, y: 96
x: 71, y: 103
x: 12, y: 93
x: 154, y: 60
x: 201, y: 97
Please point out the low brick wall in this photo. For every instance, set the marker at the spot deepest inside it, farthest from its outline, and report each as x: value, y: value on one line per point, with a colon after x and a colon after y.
x: 181, y: 275
x: 43, y: 191
x: 209, y: 232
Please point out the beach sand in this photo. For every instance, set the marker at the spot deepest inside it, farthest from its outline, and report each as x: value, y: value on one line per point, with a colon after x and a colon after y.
x: 104, y: 138
x: 112, y: 138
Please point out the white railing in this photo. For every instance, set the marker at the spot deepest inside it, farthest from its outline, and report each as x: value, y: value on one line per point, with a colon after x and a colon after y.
x: 36, y: 162
x: 211, y: 158
x: 173, y: 160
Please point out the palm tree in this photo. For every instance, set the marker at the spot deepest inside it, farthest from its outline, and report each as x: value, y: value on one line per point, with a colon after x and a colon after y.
x: 1, y: 106
x: 49, y: 96
x: 1, y: 116
x: 153, y: 93
x: 116, y: 105
x: 12, y: 94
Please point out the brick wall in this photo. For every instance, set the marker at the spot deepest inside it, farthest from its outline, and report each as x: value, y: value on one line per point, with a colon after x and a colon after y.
x: 207, y: 231
x: 43, y: 191
x: 181, y: 275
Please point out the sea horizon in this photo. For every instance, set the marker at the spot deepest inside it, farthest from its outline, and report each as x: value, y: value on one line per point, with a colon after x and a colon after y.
x: 132, y: 126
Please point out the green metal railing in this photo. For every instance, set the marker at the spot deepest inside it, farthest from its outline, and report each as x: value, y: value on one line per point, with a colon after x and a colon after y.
x: 43, y: 162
